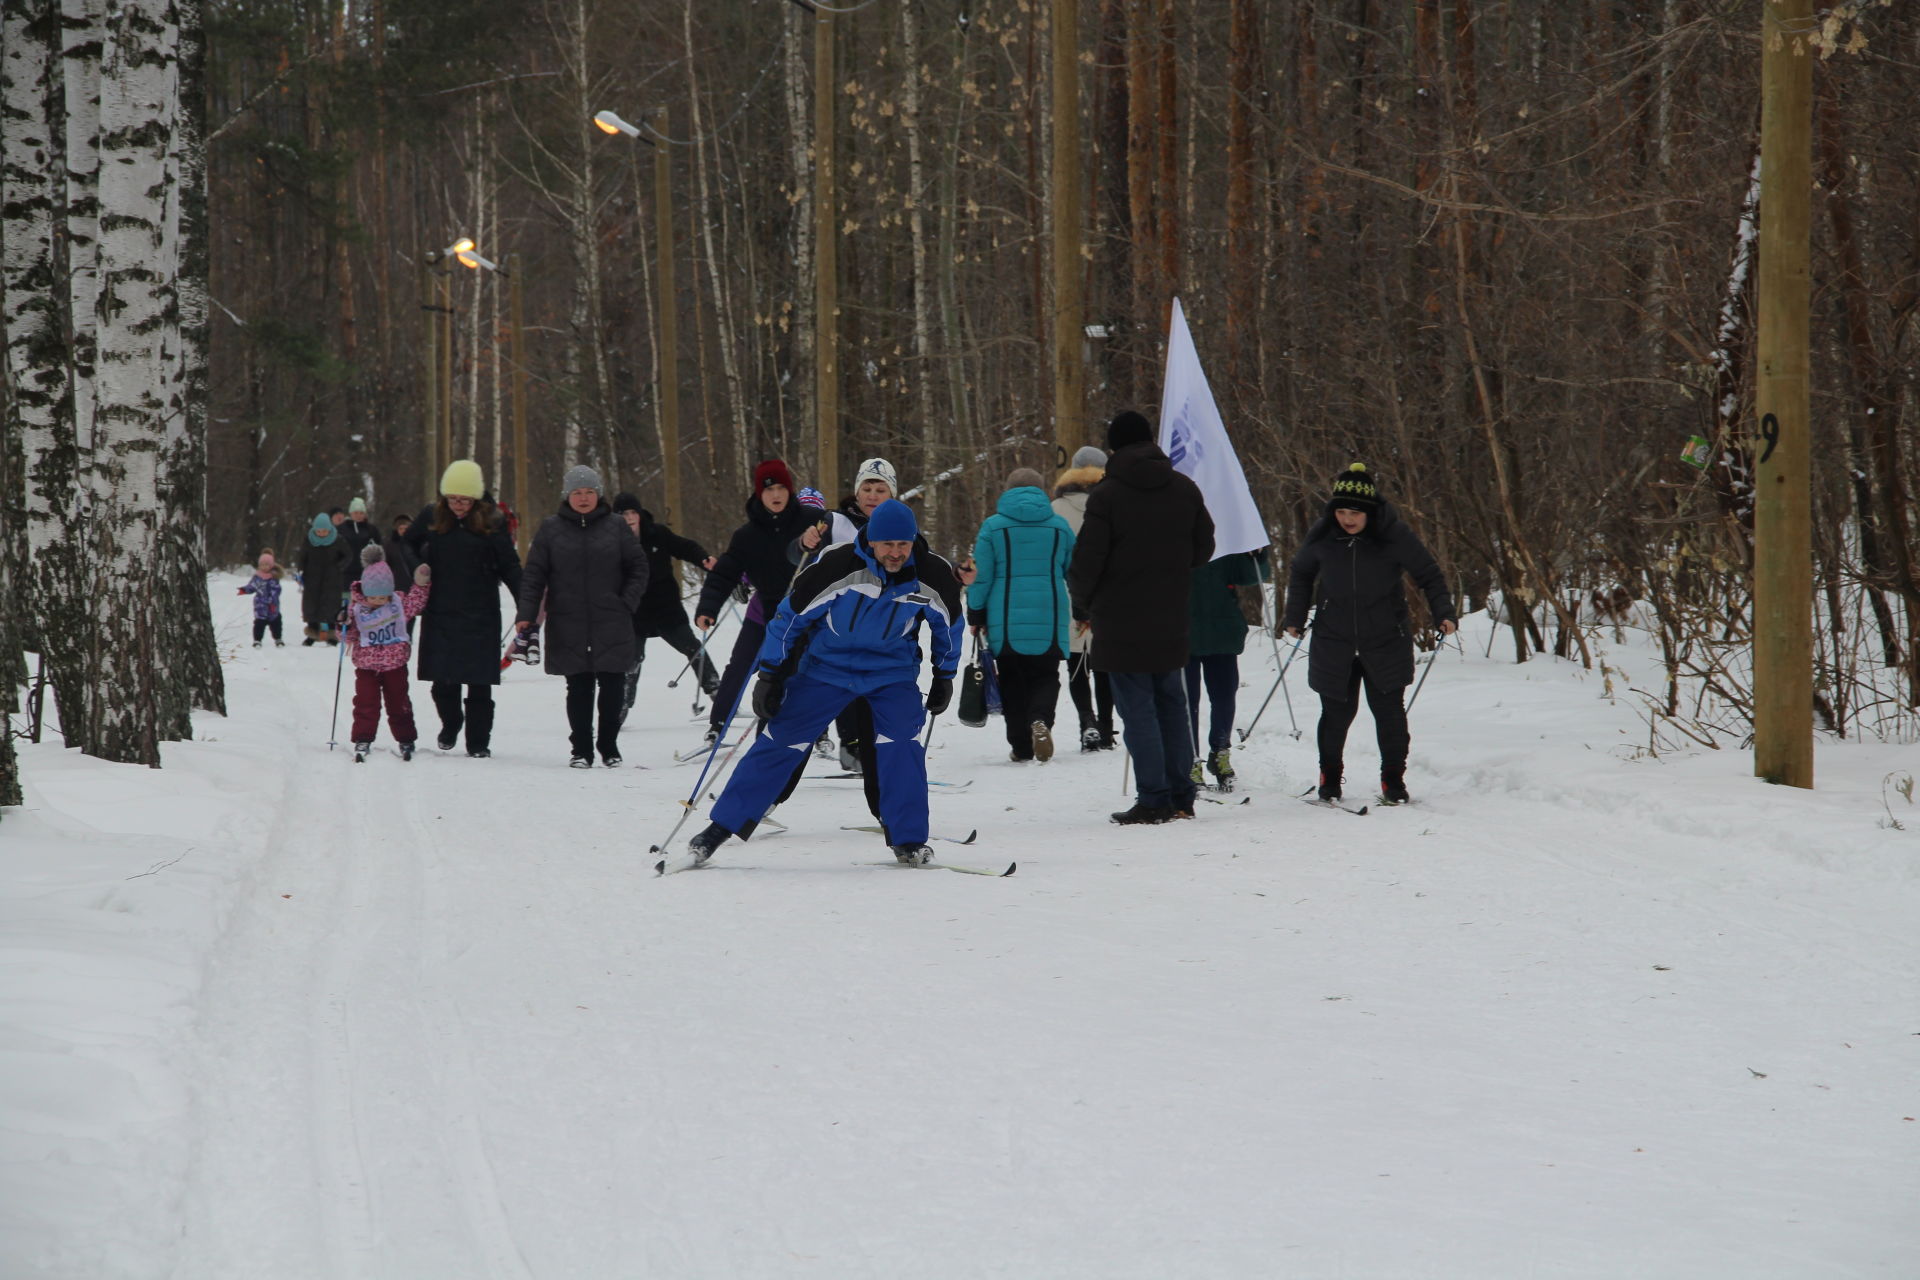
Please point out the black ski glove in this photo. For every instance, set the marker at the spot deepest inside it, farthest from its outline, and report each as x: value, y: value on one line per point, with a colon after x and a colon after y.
x: 939, y: 694
x: 768, y: 694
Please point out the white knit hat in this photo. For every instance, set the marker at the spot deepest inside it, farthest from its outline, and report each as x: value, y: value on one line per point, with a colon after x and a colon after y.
x: 877, y: 469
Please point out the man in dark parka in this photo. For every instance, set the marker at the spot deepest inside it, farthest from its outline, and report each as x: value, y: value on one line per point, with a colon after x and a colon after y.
x: 592, y: 572
x: 1146, y: 530
x: 1349, y: 568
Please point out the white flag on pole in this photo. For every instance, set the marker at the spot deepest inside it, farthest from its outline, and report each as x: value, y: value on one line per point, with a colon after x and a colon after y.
x: 1196, y: 439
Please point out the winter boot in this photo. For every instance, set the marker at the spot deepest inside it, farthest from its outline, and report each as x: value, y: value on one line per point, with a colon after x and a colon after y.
x: 581, y: 760
x: 849, y: 757
x: 447, y: 741
x: 1220, y: 765
x: 361, y: 750
x: 712, y: 735
x: 1393, y: 786
x: 913, y: 855
x: 1330, y: 781
x: 1090, y: 740
x: 479, y: 753
x: 824, y: 747
x: 256, y: 644
x: 1042, y: 741
x: 610, y: 758
x: 1144, y: 815
x: 1198, y: 773
x: 703, y: 845
x: 406, y: 751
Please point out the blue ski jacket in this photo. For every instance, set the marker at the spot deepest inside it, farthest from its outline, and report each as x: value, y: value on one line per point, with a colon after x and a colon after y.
x: 848, y: 622
x: 1022, y: 554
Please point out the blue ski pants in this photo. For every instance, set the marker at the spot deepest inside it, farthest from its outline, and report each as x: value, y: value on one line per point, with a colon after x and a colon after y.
x: 899, y: 712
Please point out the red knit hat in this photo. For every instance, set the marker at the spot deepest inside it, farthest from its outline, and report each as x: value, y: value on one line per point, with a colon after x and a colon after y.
x: 771, y: 472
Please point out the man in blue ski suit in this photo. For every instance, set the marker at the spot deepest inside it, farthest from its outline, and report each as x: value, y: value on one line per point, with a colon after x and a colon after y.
x: 850, y: 628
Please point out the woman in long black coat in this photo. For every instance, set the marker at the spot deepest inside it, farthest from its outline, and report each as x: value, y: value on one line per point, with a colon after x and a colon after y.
x: 1349, y: 569
x: 326, y: 566
x: 592, y: 573
x: 465, y: 539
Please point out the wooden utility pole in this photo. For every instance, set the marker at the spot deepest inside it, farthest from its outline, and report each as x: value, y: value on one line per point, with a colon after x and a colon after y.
x: 669, y: 322
x: 1069, y: 323
x: 826, y: 302
x: 517, y: 315
x: 446, y: 369
x: 1782, y: 520
x: 433, y: 464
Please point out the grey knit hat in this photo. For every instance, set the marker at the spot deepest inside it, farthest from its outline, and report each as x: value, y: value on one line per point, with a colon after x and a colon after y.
x: 1021, y: 477
x: 1088, y: 456
x: 580, y: 477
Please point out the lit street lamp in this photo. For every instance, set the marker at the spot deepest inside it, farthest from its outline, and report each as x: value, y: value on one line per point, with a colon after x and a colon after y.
x: 668, y: 325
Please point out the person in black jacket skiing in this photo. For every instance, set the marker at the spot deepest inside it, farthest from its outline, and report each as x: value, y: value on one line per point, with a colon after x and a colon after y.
x: 757, y: 552
x: 661, y: 613
x: 591, y: 574
x: 1349, y: 570
x: 463, y: 537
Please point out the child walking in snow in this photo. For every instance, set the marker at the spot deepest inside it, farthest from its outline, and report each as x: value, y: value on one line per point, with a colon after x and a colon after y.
x: 264, y: 587
x: 377, y: 632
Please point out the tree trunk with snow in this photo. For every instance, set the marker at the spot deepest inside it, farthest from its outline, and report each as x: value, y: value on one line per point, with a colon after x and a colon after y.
x: 136, y: 391
x: 50, y: 59
x: 189, y: 654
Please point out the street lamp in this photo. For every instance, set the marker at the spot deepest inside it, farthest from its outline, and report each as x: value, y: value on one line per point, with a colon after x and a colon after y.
x: 668, y: 328
x: 469, y: 256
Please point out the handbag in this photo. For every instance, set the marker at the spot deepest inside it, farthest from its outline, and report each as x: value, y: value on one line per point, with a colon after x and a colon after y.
x: 973, y: 688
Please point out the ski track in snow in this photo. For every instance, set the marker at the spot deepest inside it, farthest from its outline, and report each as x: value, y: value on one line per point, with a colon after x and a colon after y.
x: 1570, y: 1014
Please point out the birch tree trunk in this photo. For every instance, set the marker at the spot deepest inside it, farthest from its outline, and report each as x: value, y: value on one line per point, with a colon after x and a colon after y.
x: 136, y: 391
x: 710, y: 212
x: 917, y: 231
x: 189, y: 655
x: 51, y: 66
x: 800, y: 197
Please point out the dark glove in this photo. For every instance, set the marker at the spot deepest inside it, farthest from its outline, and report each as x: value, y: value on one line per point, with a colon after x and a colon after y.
x: 939, y: 694
x: 768, y: 694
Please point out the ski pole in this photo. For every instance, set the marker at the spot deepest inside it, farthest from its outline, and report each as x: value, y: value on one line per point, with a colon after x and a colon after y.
x: 701, y: 652
x: 1279, y: 683
x: 1423, y: 677
x: 339, y: 665
x: 688, y: 805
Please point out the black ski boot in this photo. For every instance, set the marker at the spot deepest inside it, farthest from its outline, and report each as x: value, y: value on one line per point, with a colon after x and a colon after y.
x: 361, y: 750
x: 703, y: 845
x: 913, y: 855
x: 406, y: 751
x: 1393, y: 787
x: 1144, y: 815
x: 1330, y: 782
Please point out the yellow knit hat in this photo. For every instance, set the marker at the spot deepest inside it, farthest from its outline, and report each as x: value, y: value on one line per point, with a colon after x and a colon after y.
x: 463, y: 479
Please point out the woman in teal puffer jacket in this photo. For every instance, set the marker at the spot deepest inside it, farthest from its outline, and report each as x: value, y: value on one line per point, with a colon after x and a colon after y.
x: 1020, y: 602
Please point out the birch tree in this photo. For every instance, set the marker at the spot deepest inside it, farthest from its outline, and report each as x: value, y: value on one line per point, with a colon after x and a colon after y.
x: 136, y: 384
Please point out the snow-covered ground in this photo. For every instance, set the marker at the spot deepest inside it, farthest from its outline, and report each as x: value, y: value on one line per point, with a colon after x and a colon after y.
x: 1576, y: 1013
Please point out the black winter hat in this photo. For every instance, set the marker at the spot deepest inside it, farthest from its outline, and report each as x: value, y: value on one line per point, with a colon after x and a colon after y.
x: 1127, y: 428
x: 1355, y: 490
x: 626, y: 502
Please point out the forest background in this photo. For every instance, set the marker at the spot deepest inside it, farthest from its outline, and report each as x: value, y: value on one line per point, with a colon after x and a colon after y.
x: 1501, y: 252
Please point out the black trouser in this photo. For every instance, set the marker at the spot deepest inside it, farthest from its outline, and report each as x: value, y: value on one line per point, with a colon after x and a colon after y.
x: 478, y: 716
x: 1389, y: 725
x: 1221, y: 671
x: 680, y: 637
x: 1090, y: 688
x: 583, y: 689
x: 262, y: 625
x: 746, y: 647
x: 1029, y: 691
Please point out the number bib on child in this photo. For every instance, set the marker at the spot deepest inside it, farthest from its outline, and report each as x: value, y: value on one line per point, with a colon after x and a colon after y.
x: 382, y: 624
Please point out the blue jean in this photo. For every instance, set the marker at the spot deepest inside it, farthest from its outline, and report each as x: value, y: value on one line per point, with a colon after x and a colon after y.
x: 1222, y: 674
x: 899, y: 712
x: 1153, y: 714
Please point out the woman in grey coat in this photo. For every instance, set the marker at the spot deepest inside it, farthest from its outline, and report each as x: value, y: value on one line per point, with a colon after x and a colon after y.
x: 592, y: 572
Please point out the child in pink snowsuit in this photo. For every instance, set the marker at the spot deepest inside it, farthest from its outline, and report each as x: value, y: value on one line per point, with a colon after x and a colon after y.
x: 377, y: 632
